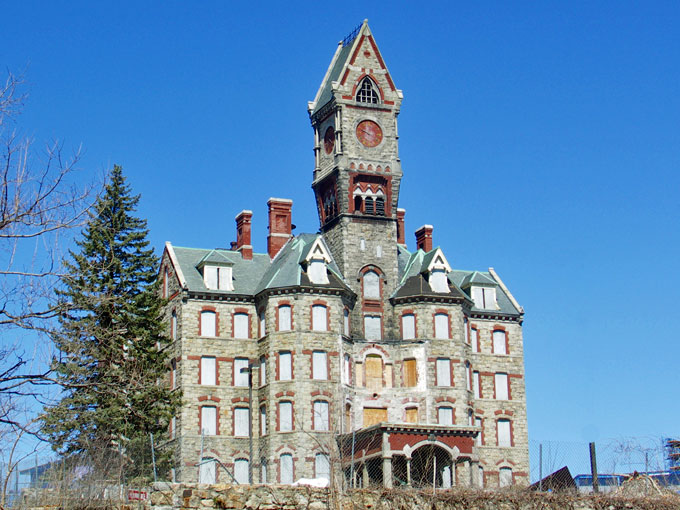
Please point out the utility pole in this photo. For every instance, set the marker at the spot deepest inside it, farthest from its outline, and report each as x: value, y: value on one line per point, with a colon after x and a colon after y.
x: 593, y: 468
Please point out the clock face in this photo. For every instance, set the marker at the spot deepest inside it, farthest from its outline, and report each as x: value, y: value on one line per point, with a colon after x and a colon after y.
x: 329, y: 140
x: 369, y: 133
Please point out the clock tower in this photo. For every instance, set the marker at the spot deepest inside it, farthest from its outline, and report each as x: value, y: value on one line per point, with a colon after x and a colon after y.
x: 357, y: 173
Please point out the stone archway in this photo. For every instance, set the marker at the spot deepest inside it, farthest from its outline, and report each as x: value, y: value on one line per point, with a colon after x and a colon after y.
x: 432, y: 465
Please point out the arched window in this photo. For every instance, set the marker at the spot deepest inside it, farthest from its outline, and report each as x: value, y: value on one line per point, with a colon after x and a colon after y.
x: 322, y: 466
x: 504, y: 433
x: 408, y: 326
x: 208, y: 323
x: 208, y: 470
x: 367, y: 92
x: 241, y: 471
x: 321, y: 415
x: 241, y: 325
x: 505, y: 477
x: 284, y: 318
x: 371, y: 285
x: 319, y: 318
x: 358, y: 203
x: 173, y: 325
x: 286, y: 467
x: 500, y: 342
x: 441, y: 326
x: 241, y: 421
x: 285, y: 416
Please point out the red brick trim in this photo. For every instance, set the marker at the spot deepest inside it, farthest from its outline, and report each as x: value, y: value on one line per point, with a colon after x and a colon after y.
x: 212, y: 398
x: 439, y: 400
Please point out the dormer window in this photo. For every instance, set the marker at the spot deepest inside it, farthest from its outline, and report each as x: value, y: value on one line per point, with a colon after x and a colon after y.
x: 368, y: 92
x: 484, y: 298
x: 439, y: 281
x: 317, y: 272
x: 217, y: 277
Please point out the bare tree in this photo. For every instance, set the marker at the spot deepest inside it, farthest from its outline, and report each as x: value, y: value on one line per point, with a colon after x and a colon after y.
x: 41, y: 200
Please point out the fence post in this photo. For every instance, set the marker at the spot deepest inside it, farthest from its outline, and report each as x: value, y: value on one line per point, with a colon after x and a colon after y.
x: 153, y: 459
x: 540, y: 467
x: 593, y: 468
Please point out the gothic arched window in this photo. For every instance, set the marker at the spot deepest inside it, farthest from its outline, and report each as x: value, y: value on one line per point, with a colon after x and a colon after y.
x: 368, y: 92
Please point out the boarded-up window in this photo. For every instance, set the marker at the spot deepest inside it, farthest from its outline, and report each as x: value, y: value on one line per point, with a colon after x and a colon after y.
x: 173, y: 325
x: 319, y: 365
x: 224, y: 278
x: 285, y: 416
x: 322, y: 466
x: 208, y: 371
x: 412, y: 415
x: 478, y: 439
x: 374, y: 415
x: 466, y: 331
x: 241, y: 325
x: 504, y: 433
x: 284, y: 318
x: 408, y: 326
x: 443, y: 372
x: 345, y: 322
x: 505, y: 477
x: 241, y: 471
x: 371, y: 285
x: 241, y: 372
x: 410, y: 373
x: 468, y: 376
x: 263, y: 370
x: 263, y: 471
x: 445, y: 416
x: 346, y: 369
x: 475, y: 341
x: 286, y: 466
x: 317, y: 272
x: 208, y: 471
x: 501, y: 382
x: 285, y: 366
x: 263, y: 323
x: 475, y: 384
x: 499, y: 344
x: 372, y: 327
x: 438, y: 281
x: 208, y: 323
x: 320, y: 415
x: 210, y: 276
x: 241, y: 425
x: 441, y: 326
x: 374, y: 372
x: 484, y: 297
x: 209, y: 420
x: 319, y: 318
x: 263, y: 420
x: 446, y: 477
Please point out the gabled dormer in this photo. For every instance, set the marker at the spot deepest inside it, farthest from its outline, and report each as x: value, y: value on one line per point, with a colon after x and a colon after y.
x: 315, y: 262
x: 482, y: 289
x: 217, y: 271
x: 436, y: 269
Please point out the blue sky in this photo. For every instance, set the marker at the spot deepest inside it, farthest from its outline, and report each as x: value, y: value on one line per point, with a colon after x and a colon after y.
x: 539, y: 138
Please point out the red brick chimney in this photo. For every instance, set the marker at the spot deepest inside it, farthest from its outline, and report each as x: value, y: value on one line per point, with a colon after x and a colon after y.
x: 280, y: 228
x: 424, y: 238
x: 243, y: 225
x: 401, y: 239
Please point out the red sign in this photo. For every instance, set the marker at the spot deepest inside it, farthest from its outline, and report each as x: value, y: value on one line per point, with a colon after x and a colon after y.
x: 135, y: 495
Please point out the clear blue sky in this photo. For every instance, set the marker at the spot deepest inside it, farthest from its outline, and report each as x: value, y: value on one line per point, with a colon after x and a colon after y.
x: 539, y: 138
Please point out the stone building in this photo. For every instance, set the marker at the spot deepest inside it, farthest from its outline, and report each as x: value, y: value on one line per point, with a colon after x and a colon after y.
x: 344, y: 353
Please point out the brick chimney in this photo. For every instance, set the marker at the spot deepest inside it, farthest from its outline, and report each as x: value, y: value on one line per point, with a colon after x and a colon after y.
x: 243, y: 225
x: 424, y: 238
x: 401, y: 239
x: 280, y: 228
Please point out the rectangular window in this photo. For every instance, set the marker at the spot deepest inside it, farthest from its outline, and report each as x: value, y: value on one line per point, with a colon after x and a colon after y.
x: 374, y: 372
x: 173, y: 326
x: 372, y: 327
x: 210, y: 276
x: 285, y: 366
x: 319, y: 318
x: 173, y: 374
x: 475, y: 341
x: 241, y: 422
x: 208, y: 471
x: 241, y: 325
x: 504, y: 477
x: 263, y: 323
x: 374, y: 415
x: 321, y: 415
x: 445, y: 416
x: 263, y: 470
x: 484, y: 298
x: 217, y: 278
x: 209, y: 421
x: 208, y: 371
x: 408, y: 326
x: 478, y: 439
x: 441, y: 326
x: 346, y: 369
x: 501, y: 383
x: 224, y: 278
x: 475, y: 384
x: 443, y: 372
x: 412, y: 415
x: 319, y: 365
x: 284, y: 318
x: 208, y: 323
x: 468, y: 377
x: 345, y: 322
x: 480, y: 477
x: 263, y: 370
x: 466, y: 331
x: 286, y: 465
x: 410, y: 373
x: 499, y: 342
x: 241, y: 469
x: 285, y: 416
x: 322, y: 466
x: 263, y: 420
x: 241, y: 372
x: 504, y: 433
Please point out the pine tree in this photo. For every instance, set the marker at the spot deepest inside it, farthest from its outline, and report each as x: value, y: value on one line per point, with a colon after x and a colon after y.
x: 109, y: 336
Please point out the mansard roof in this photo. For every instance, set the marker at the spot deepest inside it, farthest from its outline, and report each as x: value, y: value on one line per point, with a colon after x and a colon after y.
x: 504, y: 300
x: 250, y: 277
x: 475, y: 277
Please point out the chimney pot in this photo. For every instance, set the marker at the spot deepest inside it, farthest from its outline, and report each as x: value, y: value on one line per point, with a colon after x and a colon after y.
x: 243, y: 226
x: 280, y: 226
x: 401, y: 238
x: 424, y: 238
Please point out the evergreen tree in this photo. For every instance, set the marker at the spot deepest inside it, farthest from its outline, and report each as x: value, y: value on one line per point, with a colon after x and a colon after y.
x: 111, y: 367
